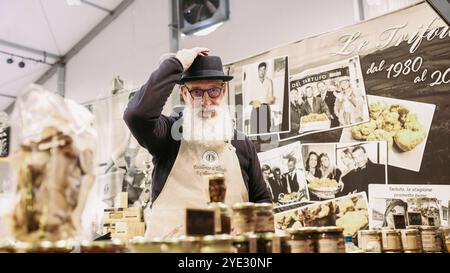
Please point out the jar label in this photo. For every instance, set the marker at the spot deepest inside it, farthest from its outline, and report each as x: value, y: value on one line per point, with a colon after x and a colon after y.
x: 265, y: 223
x: 331, y: 246
x: 430, y: 242
x: 302, y: 246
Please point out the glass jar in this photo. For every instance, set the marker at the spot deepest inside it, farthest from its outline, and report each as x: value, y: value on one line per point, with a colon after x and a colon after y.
x: 62, y: 246
x: 140, y: 245
x: 447, y: 243
x: 217, y: 244
x: 264, y: 218
x: 223, y: 218
x: 445, y: 235
x: 243, y: 219
x: 330, y: 240
x: 113, y: 246
x: 411, y: 240
x: 245, y: 243
x: 191, y: 244
x: 370, y: 240
x: 264, y: 242
x: 430, y: 239
x: 391, y: 240
x: 171, y: 246
x: 281, y: 243
x: 302, y: 240
x: 217, y: 188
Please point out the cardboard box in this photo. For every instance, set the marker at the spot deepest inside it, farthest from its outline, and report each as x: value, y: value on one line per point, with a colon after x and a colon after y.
x: 121, y: 200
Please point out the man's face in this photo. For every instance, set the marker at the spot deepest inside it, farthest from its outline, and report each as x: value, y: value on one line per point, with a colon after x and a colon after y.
x: 309, y: 92
x: 203, y: 106
x: 291, y: 166
x: 294, y: 95
x: 322, y: 87
x: 266, y: 174
x: 360, y: 158
x: 345, y: 84
x: 262, y: 71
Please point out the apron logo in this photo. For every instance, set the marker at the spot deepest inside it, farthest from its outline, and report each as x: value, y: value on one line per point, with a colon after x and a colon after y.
x: 210, y: 158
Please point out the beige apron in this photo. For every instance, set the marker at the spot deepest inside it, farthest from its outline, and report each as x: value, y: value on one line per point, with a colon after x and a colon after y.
x: 187, y: 186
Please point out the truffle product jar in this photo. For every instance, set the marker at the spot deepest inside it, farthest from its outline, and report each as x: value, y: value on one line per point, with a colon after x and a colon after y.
x: 281, y: 243
x: 411, y: 240
x: 264, y: 242
x: 245, y: 243
x: 430, y: 239
x: 217, y: 244
x: 264, y: 218
x: 223, y: 218
x: 330, y: 240
x: 302, y: 240
x: 391, y: 240
x: 217, y: 188
x: 191, y: 244
x: 243, y: 219
x: 370, y: 241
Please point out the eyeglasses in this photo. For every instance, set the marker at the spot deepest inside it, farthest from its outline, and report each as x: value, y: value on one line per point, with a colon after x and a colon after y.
x: 213, y: 92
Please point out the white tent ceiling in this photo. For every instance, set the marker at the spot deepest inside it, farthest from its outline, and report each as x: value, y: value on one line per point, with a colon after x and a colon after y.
x: 53, y: 26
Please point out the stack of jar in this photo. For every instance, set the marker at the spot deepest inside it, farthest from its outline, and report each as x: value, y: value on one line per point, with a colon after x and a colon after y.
x: 413, y: 239
x: 317, y: 240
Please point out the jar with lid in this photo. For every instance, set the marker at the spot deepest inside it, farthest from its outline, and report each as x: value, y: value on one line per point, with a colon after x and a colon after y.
x: 391, y: 240
x: 447, y: 244
x: 141, y: 245
x: 370, y: 241
x: 330, y: 240
x: 217, y: 244
x: 171, y: 246
x: 264, y: 242
x: 264, y: 217
x: 411, y: 240
x: 245, y: 243
x: 430, y: 239
x: 302, y: 240
x: 280, y: 243
x: 191, y: 244
x: 223, y: 218
x: 243, y: 219
x: 217, y: 188
x: 113, y: 246
x: 61, y: 246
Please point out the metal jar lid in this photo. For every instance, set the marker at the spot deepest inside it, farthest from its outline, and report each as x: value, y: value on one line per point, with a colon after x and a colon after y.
x: 246, y: 205
x: 221, y: 238
x: 191, y: 239
x: 264, y: 206
x: 265, y: 236
x: 409, y: 231
x: 304, y: 230
x: 216, y: 176
x: 390, y: 231
x: 331, y: 229
x: 428, y: 228
x: 214, y: 205
x: 369, y: 232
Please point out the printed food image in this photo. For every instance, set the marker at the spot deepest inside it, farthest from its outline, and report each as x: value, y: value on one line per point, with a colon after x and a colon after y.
x: 318, y: 183
x: 395, y: 124
x: 348, y: 212
x: 313, y: 118
x: 288, y: 197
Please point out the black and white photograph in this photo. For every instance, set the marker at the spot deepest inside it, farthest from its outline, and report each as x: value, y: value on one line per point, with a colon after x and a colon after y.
x: 4, y: 135
x: 337, y: 169
x: 265, y: 97
x: 404, y: 124
x: 348, y: 212
x: 283, y: 173
x: 325, y: 98
x: 396, y: 206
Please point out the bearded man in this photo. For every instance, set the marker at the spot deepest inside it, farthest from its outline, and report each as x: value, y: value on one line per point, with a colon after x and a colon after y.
x: 187, y: 149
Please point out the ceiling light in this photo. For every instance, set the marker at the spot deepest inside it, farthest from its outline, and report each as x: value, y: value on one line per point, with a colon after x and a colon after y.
x: 21, y: 64
x: 9, y: 60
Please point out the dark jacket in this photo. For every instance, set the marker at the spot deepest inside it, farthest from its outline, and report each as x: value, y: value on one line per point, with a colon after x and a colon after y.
x: 153, y: 131
x: 318, y: 107
x: 291, y: 181
x: 358, y: 180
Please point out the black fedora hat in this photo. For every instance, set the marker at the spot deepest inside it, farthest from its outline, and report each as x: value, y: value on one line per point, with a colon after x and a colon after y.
x: 205, y: 68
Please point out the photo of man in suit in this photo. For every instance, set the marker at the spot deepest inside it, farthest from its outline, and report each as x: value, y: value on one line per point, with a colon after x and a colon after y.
x: 366, y: 173
x: 290, y: 182
x: 313, y: 104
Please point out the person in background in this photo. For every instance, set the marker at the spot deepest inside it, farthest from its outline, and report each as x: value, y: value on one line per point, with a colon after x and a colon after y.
x: 267, y: 172
x: 290, y: 181
x: 312, y: 168
x: 327, y: 169
x: 295, y: 107
x: 313, y: 104
x: 327, y: 95
x: 260, y: 116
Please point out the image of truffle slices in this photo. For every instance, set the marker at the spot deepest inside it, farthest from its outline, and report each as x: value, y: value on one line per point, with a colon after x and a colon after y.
x: 394, y: 123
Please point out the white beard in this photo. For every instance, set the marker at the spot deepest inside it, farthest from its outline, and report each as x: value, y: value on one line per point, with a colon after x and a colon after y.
x: 213, y: 130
